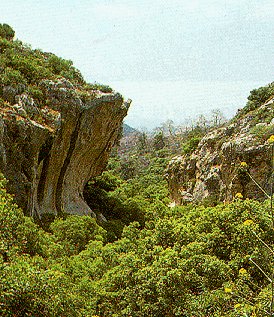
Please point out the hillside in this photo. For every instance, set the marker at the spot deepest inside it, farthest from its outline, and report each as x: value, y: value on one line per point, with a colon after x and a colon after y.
x: 227, y: 160
x: 56, y: 130
x: 127, y: 129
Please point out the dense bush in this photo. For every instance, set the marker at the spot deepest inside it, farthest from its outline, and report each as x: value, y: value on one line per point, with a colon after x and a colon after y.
x: 22, y: 66
x: 185, y: 261
x: 181, y: 264
x: 257, y: 97
x: 75, y: 232
x: 29, y: 288
x: 6, y: 32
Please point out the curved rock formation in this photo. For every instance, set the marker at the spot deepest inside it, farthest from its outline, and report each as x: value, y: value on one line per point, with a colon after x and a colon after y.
x: 213, y: 172
x: 48, y: 154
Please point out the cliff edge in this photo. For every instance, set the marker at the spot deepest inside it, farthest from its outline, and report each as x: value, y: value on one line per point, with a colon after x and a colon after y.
x: 56, y: 130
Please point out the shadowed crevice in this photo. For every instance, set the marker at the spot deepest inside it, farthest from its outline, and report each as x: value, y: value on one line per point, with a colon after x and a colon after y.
x: 73, y: 139
x: 44, y: 157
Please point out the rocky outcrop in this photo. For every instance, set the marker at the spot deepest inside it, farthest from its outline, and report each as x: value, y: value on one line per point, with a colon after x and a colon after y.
x: 49, y: 153
x: 215, y: 170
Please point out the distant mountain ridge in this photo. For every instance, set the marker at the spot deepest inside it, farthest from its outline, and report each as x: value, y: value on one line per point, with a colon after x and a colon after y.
x: 128, y: 129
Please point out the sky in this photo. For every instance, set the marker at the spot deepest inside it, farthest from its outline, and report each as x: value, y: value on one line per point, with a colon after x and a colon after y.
x: 175, y: 59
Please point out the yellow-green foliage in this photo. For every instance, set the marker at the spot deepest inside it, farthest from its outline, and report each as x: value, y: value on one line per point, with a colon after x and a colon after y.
x: 262, y: 132
x: 24, y: 68
x: 75, y: 232
x: 257, y: 97
x: 6, y: 31
x: 186, y: 261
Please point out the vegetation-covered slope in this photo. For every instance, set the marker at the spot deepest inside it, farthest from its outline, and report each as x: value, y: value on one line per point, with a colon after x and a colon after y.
x: 23, y: 68
x: 186, y: 261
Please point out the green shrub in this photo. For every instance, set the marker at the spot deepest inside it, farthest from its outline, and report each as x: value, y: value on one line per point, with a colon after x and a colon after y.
x: 29, y: 67
x: 10, y: 218
x: 262, y: 132
x: 191, y: 144
x: 6, y: 32
x: 12, y: 77
x: 256, y: 98
x: 5, y: 45
x: 97, y: 86
x: 37, y: 94
x: 18, y: 234
x: 75, y: 232
x: 58, y: 64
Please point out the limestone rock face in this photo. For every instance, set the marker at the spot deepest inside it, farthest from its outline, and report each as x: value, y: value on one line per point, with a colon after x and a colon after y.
x: 48, y: 154
x: 213, y: 171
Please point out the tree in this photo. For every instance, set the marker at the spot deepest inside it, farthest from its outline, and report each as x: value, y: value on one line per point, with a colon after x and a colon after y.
x: 168, y: 128
x: 142, y: 142
x: 217, y: 117
x: 202, y: 122
x: 159, y: 141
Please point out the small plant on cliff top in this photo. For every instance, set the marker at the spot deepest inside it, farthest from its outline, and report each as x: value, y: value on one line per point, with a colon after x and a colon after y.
x: 191, y: 144
x: 97, y: 86
x: 193, y: 137
x: 6, y: 32
x: 256, y: 98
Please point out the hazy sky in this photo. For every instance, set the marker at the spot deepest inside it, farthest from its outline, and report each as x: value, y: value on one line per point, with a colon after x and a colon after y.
x: 174, y: 58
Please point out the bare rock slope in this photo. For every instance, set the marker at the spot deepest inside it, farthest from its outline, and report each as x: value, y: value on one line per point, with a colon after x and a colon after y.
x: 48, y: 153
x: 228, y: 160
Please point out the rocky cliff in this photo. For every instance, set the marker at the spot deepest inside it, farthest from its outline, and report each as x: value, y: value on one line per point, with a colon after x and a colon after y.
x: 49, y: 161
x: 56, y: 131
x: 235, y: 158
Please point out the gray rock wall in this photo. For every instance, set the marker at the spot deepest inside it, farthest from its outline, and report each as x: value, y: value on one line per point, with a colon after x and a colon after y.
x: 49, y: 154
x: 213, y: 171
